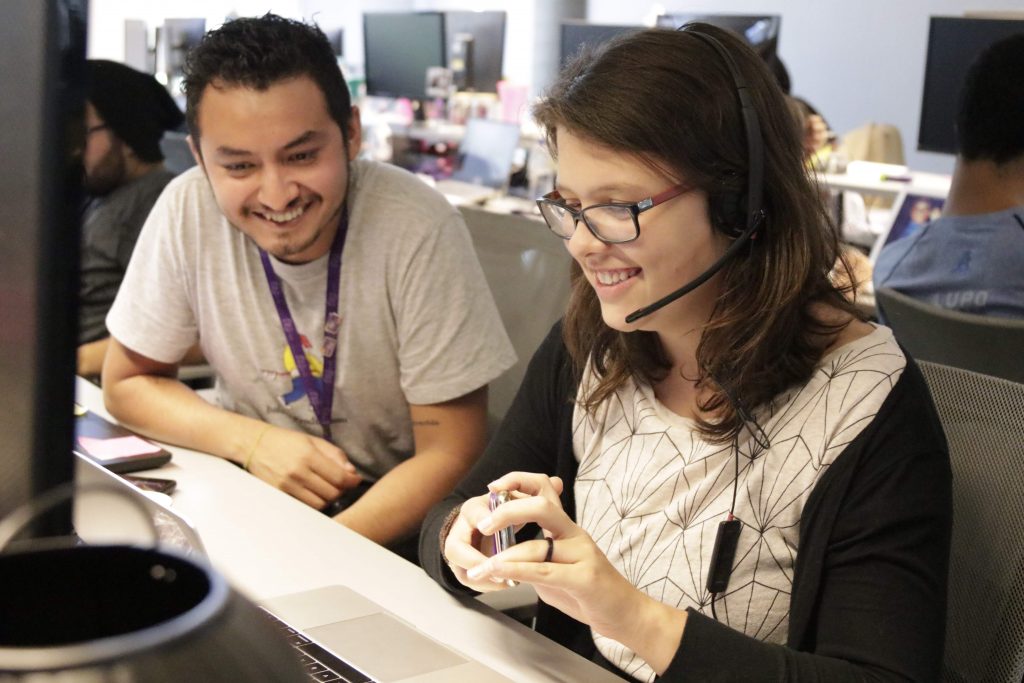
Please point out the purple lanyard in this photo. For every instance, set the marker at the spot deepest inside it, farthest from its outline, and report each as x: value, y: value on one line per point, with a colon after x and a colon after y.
x: 321, y: 399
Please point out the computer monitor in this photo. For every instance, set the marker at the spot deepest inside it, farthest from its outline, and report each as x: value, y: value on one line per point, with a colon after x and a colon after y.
x: 577, y: 34
x: 910, y: 213
x: 953, y: 45
x: 336, y: 37
x: 476, y: 47
x: 399, y: 48
x: 761, y: 31
x: 42, y: 74
x: 174, y: 39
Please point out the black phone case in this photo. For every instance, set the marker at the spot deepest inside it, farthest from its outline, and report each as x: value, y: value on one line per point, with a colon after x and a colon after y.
x: 92, y: 425
x: 152, y: 483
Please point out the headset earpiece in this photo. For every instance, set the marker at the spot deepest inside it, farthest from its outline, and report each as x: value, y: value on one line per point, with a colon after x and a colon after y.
x: 738, y: 211
x: 725, y: 209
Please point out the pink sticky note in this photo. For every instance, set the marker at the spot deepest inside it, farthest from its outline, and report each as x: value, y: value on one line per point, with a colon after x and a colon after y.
x: 121, y: 447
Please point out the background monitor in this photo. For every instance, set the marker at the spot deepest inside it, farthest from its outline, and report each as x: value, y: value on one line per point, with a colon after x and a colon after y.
x: 42, y: 72
x: 953, y: 44
x: 910, y: 213
x: 761, y: 31
x: 476, y: 43
x: 336, y: 37
x: 576, y: 34
x: 174, y: 39
x: 399, y: 47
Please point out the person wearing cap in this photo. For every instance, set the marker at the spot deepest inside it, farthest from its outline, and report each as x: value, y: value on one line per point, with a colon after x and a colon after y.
x: 126, y: 114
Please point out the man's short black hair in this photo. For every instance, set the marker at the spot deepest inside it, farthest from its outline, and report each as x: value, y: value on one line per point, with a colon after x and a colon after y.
x: 990, y: 124
x: 258, y: 52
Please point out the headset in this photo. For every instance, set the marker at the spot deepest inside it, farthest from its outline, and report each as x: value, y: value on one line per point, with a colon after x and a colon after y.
x: 726, y: 215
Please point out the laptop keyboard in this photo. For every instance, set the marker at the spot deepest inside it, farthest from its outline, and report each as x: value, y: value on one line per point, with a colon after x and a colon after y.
x: 320, y: 664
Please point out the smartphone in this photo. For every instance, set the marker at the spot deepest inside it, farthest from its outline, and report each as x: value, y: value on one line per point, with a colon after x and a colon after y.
x: 506, y: 537
x: 152, y: 483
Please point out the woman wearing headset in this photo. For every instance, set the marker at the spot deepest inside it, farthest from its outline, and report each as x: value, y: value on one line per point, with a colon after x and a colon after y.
x: 717, y: 469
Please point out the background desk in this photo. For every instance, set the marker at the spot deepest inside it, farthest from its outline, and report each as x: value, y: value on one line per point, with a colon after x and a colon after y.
x: 267, y: 543
x: 927, y: 184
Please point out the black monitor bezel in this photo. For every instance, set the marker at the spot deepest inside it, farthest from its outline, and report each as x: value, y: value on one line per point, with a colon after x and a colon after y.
x: 373, y: 87
x: 603, y: 32
x: 485, y: 73
x: 40, y: 174
x: 939, y: 101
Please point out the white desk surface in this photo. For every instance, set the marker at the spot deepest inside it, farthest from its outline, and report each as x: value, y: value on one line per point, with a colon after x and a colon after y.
x: 928, y: 184
x: 266, y: 544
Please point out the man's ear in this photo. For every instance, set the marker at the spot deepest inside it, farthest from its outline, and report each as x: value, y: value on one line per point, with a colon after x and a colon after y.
x: 196, y: 154
x: 355, y: 134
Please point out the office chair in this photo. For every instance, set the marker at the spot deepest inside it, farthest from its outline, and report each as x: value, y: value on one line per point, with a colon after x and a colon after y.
x: 875, y: 142
x: 983, y: 418
x: 527, y: 269
x: 177, y: 154
x: 986, y: 344
x: 198, y: 376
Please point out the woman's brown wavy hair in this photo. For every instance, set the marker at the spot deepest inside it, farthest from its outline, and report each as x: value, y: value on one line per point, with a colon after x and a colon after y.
x: 668, y: 98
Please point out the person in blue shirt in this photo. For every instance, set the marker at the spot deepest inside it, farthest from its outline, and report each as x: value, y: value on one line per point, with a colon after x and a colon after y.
x: 972, y: 258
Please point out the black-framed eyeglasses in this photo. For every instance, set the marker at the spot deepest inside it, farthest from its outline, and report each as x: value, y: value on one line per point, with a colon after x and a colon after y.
x: 612, y: 223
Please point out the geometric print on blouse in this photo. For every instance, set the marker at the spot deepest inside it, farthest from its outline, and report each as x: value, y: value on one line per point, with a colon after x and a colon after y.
x: 651, y: 492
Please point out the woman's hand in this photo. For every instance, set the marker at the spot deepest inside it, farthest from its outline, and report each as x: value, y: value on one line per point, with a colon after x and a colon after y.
x: 577, y: 578
x: 466, y: 547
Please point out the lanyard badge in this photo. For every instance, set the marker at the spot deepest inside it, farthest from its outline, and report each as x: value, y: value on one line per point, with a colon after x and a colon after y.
x: 322, y: 397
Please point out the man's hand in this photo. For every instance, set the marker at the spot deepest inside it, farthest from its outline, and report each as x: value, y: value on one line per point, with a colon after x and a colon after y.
x: 307, y: 467
x: 145, y: 395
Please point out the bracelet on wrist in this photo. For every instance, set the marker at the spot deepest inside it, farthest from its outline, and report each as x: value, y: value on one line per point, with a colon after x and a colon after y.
x: 255, y: 445
x: 446, y: 529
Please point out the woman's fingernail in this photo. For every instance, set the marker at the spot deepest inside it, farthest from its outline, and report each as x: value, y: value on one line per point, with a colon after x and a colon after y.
x: 475, y: 572
x: 484, y: 525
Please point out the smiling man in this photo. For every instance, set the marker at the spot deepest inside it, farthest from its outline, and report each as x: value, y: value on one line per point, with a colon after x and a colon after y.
x: 339, y: 301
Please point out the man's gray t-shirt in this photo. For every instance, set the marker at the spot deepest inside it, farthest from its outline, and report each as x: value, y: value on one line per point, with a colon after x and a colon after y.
x: 418, y: 323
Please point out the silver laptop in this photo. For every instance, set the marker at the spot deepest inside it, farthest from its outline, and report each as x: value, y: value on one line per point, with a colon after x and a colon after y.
x: 367, y: 637
x: 324, y: 624
x: 486, y: 154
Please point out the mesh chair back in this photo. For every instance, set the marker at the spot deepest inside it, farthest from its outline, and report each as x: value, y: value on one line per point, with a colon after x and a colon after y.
x: 177, y: 154
x: 983, y: 418
x: 986, y: 344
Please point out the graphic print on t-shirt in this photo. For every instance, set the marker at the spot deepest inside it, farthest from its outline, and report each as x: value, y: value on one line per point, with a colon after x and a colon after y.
x: 316, y: 367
